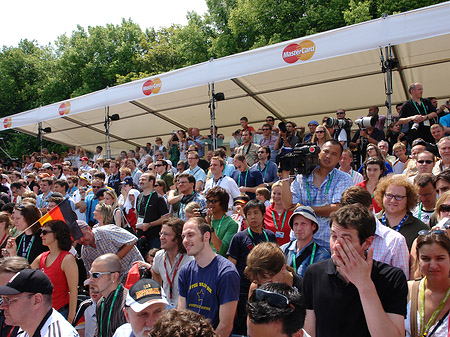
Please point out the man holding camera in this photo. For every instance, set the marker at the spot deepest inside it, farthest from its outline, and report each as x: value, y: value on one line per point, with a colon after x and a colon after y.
x: 287, y: 136
x: 342, y: 133
x: 321, y: 189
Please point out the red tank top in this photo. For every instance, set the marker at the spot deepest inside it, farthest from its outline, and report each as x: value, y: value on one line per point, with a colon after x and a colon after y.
x: 60, y: 295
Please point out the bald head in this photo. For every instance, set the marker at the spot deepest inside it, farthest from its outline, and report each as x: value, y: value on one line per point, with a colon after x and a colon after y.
x: 111, y: 261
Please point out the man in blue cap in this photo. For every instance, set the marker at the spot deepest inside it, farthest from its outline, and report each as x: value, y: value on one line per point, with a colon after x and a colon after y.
x: 312, y: 128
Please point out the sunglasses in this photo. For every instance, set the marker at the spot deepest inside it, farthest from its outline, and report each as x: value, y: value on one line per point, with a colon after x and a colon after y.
x: 158, y: 165
x: 425, y: 161
x: 396, y: 197
x: 320, y: 131
x: 98, y: 274
x: 212, y: 201
x: 273, y: 299
x: 432, y: 231
x: 444, y: 208
x: 156, y: 185
x: 45, y: 232
x: 266, y: 129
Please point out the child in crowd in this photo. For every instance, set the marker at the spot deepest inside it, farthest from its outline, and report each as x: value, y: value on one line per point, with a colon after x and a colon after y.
x: 263, y: 195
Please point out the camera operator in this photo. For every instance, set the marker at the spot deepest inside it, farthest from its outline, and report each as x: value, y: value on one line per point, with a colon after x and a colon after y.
x: 321, y: 190
x: 366, y: 134
x: 342, y: 134
x: 287, y: 136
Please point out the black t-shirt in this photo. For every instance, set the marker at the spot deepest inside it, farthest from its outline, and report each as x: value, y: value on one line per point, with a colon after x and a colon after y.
x: 30, y: 246
x: 337, y: 304
x: 411, y: 108
x: 151, y: 210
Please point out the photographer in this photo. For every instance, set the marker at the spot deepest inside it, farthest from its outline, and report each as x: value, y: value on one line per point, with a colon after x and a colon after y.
x: 322, y: 189
x: 366, y: 134
x: 342, y: 133
x: 287, y: 136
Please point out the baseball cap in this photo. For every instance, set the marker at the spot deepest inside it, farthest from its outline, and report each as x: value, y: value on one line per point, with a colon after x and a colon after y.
x: 28, y: 281
x: 127, y: 181
x: 316, y: 123
x: 241, y: 199
x: 307, y: 212
x: 86, y: 176
x: 47, y: 166
x: 85, y: 158
x: 143, y: 293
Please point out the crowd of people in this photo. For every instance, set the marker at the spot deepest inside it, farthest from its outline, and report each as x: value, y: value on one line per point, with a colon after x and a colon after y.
x: 182, y: 239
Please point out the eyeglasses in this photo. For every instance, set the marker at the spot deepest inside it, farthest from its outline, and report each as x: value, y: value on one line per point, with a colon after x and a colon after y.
x: 261, y: 151
x: 96, y: 186
x: 320, y: 131
x: 432, y: 231
x: 158, y: 165
x: 269, y: 120
x: 45, y: 232
x: 274, y: 299
x: 7, y: 301
x: 340, y: 113
x: 165, y: 234
x: 212, y: 201
x: 98, y: 274
x: 396, y: 197
x: 425, y: 161
x: 444, y: 208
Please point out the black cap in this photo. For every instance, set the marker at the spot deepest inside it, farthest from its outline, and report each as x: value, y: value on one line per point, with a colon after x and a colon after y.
x: 28, y: 281
x: 143, y: 293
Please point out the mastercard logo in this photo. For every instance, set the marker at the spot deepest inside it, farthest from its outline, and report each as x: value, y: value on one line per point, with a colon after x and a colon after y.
x: 7, y: 122
x: 302, y: 51
x: 64, y: 108
x: 152, y: 86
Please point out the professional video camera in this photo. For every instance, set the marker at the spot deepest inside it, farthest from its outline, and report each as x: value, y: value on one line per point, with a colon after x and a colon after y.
x: 302, y: 159
x: 338, y: 123
x: 365, y: 122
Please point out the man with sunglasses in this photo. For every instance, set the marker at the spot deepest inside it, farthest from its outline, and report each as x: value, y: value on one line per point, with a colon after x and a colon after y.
x: 425, y: 163
x: 276, y: 309
x: 27, y: 303
x: 161, y: 168
x: 87, y: 205
x: 104, y: 276
x: 265, y: 166
x: 352, y: 294
x: 269, y: 139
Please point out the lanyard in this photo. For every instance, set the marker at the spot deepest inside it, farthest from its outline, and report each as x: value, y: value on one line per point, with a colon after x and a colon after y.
x: 265, y: 171
x: 275, y: 221
x: 253, y: 239
x: 383, y: 220
x: 28, y: 248
x: 214, y: 182
x: 326, y: 188
x: 110, y: 311
x: 425, y: 328
x: 245, y: 179
x: 311, y: 260
x: 220, y: 224
x: 170, y: 281
x: 423, y: 105
x: 420, y: 212
x: 148, y: 200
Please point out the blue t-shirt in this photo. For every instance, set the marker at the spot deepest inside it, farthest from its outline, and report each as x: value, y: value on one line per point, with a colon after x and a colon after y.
x: 240, y: 246
x: 249, y: 178
x: 206, y: 289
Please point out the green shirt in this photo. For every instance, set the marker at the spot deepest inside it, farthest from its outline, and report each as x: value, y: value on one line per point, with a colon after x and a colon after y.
x: 227, y: 230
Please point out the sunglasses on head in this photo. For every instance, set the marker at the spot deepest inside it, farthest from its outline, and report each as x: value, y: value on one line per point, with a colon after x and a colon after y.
x: 273, y: 299
x: 432, y: 231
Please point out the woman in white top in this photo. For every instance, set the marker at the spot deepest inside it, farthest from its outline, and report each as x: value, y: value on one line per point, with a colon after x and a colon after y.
x: 428, y: 306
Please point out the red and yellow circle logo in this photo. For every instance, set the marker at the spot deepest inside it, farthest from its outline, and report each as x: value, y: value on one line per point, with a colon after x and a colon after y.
x: 302, y: 51
x: 7, y: 122
x: 152, y: 86
x: 64, y: 108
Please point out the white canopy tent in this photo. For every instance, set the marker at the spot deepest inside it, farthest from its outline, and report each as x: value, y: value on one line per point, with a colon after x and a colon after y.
x: 298, y: 80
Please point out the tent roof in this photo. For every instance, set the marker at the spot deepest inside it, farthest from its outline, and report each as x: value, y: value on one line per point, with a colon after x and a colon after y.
x: 334, y: 69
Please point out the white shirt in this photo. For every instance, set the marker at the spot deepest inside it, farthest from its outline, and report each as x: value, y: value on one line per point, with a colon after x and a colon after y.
x: 55, y: 326
x: 229, y: 185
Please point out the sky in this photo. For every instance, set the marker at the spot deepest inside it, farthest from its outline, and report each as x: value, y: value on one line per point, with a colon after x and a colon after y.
x: 45, y: 20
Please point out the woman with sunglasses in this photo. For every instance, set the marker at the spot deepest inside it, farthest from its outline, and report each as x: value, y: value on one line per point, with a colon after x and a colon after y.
x: 277, y: 218
x: 374, y: 151
x: 373, y: 169
x: 60, y: 267
x: 267, y: 263
x: 29, y: 243
x: 429, y: 306
x: 397, y: 197
x: 110, y: 198
x: 321, y: 135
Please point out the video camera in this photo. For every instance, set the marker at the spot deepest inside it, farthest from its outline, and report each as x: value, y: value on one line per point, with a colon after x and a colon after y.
x: 338, y: 123
x: 302, y: 159
x: 365, y: 122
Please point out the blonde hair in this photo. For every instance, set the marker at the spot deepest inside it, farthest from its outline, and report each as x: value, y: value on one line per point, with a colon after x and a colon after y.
x: 442, y: 199
x: 326, y: 137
